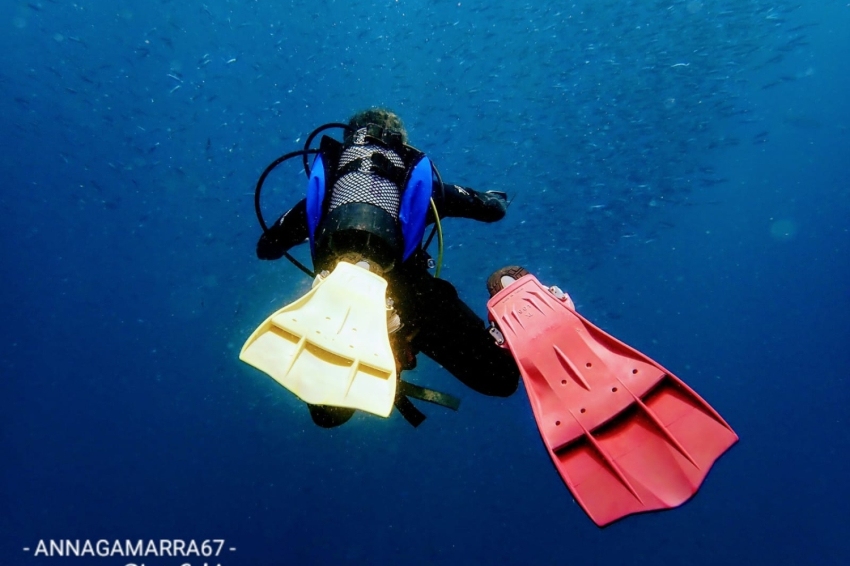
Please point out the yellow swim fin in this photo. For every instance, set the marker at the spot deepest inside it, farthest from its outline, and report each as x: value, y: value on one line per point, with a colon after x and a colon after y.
x: 331, y: 346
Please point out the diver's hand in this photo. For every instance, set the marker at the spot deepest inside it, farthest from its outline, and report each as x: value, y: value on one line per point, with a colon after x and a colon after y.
x: 496, y: 202
x: 287, y: 232
x: 271, y: 245
x: 464, y: 202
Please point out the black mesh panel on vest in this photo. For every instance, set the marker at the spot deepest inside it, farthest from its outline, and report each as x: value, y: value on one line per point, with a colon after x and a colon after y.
x: 364, y: 185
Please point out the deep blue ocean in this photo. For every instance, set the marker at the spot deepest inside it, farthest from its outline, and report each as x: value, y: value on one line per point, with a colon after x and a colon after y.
x: 681, y: 168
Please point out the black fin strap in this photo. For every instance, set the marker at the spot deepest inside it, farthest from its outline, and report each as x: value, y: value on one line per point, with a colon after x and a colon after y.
x: 407, y: 410
x: 407, y: 389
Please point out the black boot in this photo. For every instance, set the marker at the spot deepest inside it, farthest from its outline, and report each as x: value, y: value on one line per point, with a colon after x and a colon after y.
x: 501, y: 278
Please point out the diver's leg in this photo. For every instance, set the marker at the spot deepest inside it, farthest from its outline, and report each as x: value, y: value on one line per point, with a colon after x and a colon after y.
x: 455, y: 337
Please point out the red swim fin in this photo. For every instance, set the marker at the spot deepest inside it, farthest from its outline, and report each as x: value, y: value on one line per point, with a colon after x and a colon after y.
x: 625, y: 434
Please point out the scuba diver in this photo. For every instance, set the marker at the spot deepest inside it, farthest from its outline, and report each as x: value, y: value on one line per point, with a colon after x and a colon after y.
x: 369, y: 200
x: 624, y: 433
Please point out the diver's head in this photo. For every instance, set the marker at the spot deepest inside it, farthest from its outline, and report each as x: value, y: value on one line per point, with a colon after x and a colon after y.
x: 381, y: 117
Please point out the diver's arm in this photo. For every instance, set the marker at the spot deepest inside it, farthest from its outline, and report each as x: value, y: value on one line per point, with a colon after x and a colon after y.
x: 464, y: 202
x: 289, y: 230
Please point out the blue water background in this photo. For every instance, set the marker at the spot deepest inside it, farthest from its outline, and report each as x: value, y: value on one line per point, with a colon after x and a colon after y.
x: 681, y: 169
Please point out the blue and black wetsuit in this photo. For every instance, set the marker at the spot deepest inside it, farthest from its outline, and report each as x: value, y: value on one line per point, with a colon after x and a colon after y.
x: 435, y: 320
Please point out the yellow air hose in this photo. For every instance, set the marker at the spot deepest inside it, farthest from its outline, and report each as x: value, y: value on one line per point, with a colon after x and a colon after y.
x: 439, y: 239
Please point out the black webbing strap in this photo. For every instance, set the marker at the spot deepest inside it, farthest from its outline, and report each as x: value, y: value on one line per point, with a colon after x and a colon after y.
x: 443, y: 399
x: 409, y: 411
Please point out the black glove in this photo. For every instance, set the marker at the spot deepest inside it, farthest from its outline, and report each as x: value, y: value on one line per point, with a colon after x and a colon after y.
x: 271, y: 244
x: 288, y: 231
x: 496, y: 203
x: 499, y: 194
